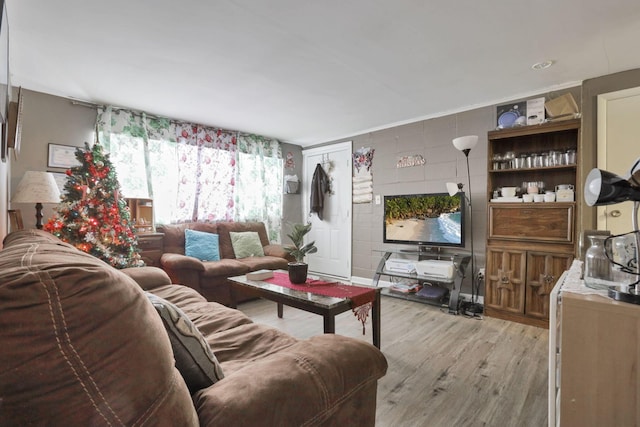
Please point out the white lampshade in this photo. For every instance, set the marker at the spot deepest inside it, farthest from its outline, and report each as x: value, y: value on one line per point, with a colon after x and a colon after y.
x: 465, y: 142
x: 37, y: 187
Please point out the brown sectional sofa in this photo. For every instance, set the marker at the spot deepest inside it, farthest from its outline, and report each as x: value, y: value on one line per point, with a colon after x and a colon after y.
x: 82, y: 345
x: 209, y: 278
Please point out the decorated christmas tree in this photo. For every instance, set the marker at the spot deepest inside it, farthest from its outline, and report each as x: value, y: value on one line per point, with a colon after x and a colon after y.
x: 92, y: 216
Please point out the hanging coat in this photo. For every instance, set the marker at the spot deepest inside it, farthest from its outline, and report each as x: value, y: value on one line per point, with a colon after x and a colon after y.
x: 319, y: 186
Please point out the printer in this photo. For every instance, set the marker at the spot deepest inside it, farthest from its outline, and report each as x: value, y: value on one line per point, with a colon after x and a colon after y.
x: 400, y: 265
x: 436, y: 268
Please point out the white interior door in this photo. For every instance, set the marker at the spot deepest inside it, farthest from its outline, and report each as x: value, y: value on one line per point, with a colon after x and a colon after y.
x: 618, y: 147
x: 332, y: 234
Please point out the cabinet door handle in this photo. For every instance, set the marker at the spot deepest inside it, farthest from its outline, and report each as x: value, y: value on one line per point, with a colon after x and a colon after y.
x: 548, y: 279
x: 504, y: 280
x: 616, y: 213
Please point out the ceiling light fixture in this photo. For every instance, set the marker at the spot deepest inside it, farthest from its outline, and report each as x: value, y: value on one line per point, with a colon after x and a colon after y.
x: 542, y: 65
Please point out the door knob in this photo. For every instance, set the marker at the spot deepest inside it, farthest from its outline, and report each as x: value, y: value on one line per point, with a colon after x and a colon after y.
x: 616, y: 213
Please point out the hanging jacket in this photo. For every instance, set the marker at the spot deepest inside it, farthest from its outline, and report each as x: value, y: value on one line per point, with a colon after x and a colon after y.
x: 319, y: 186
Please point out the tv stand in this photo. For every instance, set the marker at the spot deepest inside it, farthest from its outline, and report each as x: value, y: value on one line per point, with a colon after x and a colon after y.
x: 460, y: 261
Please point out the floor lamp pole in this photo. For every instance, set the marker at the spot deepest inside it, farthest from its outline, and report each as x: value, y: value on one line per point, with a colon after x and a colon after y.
x: 473, y: 256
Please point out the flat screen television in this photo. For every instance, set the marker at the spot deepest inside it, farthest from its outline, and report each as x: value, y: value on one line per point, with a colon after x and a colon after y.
x: 425, y: 220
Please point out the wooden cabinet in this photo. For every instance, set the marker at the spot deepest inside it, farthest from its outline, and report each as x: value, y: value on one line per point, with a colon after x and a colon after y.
x: 594, y: 348
x: 151, y: 247
x: 543, y: 271
x: 529, y: 245
x: 142, y: 217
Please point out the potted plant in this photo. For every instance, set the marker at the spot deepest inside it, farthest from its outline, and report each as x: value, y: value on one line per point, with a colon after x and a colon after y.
x: 298, y: 269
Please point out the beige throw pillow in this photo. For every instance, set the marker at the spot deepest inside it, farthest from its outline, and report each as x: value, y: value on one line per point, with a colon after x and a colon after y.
x: 246, y: 244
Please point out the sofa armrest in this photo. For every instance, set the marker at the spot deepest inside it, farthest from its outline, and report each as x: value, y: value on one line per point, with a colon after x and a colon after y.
x: 277, y: 251
x: 307, y: 383
x: 181, y: 262
x: 148, y: 277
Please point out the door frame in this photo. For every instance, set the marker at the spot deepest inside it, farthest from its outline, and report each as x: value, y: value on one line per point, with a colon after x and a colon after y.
x: 306, y: 194
x: 601, y: 145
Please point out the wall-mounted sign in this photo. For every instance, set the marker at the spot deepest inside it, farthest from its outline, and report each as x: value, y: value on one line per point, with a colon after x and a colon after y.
x: 409, y: 161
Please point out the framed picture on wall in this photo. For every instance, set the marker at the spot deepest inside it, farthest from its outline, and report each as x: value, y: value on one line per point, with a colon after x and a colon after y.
x: 5, y: 85
x: 62, y: 156
x: 14, y: 124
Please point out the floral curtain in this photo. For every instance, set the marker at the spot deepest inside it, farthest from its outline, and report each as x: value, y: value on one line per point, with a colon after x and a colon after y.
x: 198, y: 173
x: 206, y: 180
x: 123, y: 135
x: 260, y: 161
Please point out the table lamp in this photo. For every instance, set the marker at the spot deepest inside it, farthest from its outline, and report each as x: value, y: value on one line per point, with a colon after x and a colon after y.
x: 37, y: 187
x: 606, y: 188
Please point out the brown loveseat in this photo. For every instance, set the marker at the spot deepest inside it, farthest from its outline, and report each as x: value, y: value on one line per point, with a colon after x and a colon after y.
x: 83, y: 346
x: 209, y: 278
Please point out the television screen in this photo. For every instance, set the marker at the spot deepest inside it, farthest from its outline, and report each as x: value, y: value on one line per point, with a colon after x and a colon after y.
x: 435, y: 219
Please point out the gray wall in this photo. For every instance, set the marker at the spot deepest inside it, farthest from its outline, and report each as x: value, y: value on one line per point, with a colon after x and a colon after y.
x: 47, y: 119
x: 292, y: 203
x: 432, y: 139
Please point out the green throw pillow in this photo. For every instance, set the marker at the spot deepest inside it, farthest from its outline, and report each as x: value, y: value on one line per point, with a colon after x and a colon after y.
x: 194, y: 359
x: 246, y: 244
x: 201, y: 245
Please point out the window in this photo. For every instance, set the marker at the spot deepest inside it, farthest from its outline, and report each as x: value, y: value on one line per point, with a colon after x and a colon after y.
x: 195, y: 173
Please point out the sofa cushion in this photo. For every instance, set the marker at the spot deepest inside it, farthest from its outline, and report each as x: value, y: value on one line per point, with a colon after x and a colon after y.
x: 147, y: 277
x: 232, y: 336
x: 246, y: 244
x: 201, y: 245
x: 224, y: 268
x: 81, y: 345
x: 194, y: 359
x: 265, y: 263
x: 226, y: 227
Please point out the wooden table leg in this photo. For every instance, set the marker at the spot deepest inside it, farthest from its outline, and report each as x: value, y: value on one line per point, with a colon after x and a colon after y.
x: 375, y: 320
x: 233, y: 300
x: 280, y: 310
x: 329, y: 324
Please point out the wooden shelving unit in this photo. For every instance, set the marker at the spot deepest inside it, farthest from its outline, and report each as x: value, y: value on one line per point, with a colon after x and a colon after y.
x: 142, y: 215
x: 529, y: 245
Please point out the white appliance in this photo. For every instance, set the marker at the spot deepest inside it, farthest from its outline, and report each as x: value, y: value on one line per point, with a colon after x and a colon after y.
x: 436, y: 268
x: 400, y: 265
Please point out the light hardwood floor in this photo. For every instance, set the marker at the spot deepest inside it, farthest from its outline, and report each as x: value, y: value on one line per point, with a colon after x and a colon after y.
x: 444, y: 370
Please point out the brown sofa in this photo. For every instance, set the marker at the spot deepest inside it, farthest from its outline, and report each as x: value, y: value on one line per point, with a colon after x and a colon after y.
x: 209, y: 278
x: 82, y: 345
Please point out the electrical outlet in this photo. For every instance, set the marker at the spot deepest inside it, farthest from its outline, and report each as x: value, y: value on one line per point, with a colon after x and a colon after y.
x: 378, y: 199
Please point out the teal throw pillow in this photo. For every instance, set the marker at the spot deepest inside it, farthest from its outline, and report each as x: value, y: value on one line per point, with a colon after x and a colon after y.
x: 246, y: 244
x: 201, y: 245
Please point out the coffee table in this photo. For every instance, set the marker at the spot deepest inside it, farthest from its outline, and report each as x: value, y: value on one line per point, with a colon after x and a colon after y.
x: 325, y: 306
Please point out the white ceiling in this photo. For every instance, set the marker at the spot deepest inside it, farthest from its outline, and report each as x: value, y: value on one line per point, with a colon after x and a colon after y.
x: 307, y: 71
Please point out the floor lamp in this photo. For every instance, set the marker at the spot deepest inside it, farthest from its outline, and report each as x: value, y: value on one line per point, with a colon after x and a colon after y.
x: 466, y: 144
x: 37, y: 187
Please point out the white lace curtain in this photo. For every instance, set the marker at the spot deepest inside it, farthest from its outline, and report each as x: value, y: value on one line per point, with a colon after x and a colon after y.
x: 194, y: 172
